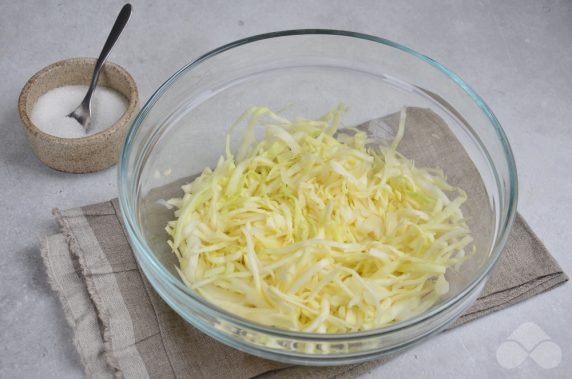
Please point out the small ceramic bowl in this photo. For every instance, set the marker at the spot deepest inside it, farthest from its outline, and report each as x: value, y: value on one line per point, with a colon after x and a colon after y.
x: 78, y: 155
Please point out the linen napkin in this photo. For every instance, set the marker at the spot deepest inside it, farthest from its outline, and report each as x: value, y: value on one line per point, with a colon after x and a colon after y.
x: 122, y: 328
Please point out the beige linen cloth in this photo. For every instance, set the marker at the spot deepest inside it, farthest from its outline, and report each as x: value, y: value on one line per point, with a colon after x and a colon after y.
x: 122, y: 328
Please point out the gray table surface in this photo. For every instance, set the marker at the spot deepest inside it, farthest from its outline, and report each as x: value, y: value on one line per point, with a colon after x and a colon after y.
x: 516, y: 53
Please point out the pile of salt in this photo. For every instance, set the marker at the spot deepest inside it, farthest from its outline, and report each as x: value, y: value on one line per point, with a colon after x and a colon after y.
x: 50, y: 111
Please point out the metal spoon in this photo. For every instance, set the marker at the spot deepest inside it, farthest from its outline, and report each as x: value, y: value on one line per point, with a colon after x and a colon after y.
x: 83, y: 112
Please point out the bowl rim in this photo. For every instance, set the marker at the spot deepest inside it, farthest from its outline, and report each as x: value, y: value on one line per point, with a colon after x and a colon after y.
x: 99, y: 137
x: 139, y: 244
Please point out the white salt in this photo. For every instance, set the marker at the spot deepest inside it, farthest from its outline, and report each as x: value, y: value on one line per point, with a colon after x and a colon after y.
x: 50, y: 111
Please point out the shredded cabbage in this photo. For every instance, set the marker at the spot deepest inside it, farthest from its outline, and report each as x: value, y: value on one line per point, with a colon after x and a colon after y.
x: 311, y: 229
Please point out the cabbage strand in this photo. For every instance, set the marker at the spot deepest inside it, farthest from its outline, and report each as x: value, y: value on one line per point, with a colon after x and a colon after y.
x: 310, y: 229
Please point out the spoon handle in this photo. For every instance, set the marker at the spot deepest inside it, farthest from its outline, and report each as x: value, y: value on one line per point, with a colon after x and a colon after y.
x: 118, y: 26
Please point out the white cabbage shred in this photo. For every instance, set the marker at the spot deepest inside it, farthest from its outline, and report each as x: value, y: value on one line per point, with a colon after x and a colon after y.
x: 311, y: 230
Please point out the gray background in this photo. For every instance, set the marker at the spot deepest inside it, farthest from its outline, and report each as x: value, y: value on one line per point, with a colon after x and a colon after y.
x: 517, y: 54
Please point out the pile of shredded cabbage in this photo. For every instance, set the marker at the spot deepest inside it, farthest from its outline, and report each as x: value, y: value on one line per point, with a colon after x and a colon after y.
x: 309, y: 229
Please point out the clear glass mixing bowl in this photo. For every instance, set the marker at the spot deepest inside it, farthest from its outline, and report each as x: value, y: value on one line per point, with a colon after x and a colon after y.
x: 181, y: 130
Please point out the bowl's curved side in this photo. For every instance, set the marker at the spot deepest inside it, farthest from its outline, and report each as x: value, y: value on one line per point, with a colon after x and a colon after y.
x: 314, y: 351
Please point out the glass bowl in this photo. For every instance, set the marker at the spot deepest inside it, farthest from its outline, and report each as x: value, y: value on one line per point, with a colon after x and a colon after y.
x: 181, y: 130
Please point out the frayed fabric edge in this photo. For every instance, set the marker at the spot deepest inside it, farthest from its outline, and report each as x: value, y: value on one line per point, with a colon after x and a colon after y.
x: 101, y: 312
